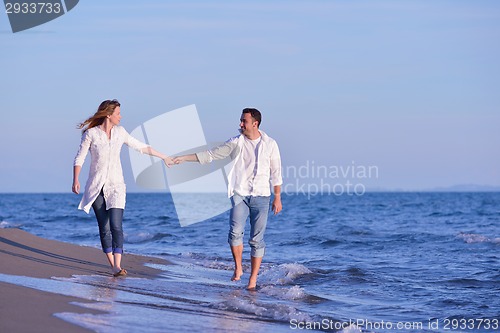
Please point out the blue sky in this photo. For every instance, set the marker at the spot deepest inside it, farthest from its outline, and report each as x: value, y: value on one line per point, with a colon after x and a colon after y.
x: 411, y: 87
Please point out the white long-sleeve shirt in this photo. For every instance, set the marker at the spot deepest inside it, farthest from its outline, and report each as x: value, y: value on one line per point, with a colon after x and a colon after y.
x: 246, y: 178
x: 105, y: 168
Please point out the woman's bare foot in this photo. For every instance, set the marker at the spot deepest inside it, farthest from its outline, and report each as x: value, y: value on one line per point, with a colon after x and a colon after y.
x: 121, y: 272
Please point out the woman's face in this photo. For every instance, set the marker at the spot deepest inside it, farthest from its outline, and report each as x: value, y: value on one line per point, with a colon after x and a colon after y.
x: 115, y: 116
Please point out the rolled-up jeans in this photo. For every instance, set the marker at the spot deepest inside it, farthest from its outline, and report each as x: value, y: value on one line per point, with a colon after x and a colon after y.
x: 110, y: 226
x: 258, y: 209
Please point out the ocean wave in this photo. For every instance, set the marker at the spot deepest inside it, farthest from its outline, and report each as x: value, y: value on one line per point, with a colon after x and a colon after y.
x: 270, y: 274
x: 470, y: 283
x: 278, y: 312
x: 6, y: 225
x: 477, y: 238
x: 72, y: 217
x: 330, y: 243
x: 207, y: 261
x: 351, y: 329
x: 292, y: 293
x: 283, y: 274
x: 220, y: 264
x: 144, y: 237
x: 446, y: 214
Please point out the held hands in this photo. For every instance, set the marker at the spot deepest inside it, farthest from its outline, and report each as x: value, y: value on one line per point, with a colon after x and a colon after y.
x: 180, y: 159
x: 168, y: 161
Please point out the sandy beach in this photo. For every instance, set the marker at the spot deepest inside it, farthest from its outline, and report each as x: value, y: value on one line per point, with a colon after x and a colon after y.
x: 29, y: 310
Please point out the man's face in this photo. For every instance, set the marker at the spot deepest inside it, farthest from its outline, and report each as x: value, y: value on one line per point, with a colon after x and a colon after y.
x: 247, y: 124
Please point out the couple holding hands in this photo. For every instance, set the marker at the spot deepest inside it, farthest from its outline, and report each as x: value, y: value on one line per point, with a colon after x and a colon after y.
x: 256, y: 168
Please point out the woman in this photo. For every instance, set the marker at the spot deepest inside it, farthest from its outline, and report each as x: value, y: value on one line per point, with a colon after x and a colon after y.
x: 105, y: 188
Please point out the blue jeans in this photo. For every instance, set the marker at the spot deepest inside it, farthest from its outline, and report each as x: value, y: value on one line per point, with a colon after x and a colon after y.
x: 110, y: 225
x: 255, y: 207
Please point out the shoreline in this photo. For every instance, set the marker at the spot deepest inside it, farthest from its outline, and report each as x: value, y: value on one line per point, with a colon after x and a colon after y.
x: 24, y: 309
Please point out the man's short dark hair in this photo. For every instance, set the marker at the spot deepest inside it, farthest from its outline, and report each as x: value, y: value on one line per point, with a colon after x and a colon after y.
x: 255, y: 114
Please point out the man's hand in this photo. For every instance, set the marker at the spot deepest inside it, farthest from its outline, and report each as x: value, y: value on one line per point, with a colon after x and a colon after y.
x: 178, y: 159
x: 277, y: 207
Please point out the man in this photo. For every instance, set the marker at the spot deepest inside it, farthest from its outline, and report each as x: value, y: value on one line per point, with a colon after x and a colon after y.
x: 256, y: 166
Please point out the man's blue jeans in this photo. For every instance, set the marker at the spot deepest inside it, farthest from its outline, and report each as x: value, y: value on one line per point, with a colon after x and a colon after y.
x: 258, y: 209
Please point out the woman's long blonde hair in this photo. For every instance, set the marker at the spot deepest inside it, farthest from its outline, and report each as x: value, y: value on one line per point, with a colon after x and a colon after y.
x: 103, y: 111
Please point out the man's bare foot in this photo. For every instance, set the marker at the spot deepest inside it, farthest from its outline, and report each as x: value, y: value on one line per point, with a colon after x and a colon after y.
x: 252, y: 283
x: 237, y: 275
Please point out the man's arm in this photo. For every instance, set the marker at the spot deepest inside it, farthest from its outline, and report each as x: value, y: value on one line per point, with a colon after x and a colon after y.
x: 277, y: 207
x: 204, y: 157
x: 185, y: 158
x: 276, y: 179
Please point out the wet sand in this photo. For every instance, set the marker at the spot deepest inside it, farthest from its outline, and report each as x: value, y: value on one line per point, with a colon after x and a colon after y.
x: 29, y: 310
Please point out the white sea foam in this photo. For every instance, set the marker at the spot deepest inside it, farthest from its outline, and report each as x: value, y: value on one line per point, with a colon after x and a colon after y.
x: 270, y: 274
x: 219, y: 265
x: 283, y: 274
x: 292, y: 293
x: 5, y: 225
x: 281, y: 312
x: 476, y: 238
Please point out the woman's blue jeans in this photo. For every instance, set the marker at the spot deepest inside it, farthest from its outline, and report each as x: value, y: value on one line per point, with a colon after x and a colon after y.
x: 110, y: 226
x: 243, y: 207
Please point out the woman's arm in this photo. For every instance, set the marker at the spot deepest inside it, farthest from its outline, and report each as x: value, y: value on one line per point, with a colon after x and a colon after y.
x: 144, y: 148
x: 152, y: 152
x: 79, y: 160
x: 76, y: 182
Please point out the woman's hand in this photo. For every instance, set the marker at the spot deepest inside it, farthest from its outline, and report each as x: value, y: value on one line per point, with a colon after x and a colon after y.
x: 76, y: 182
x: 168, y: 161
x: 76, y: 187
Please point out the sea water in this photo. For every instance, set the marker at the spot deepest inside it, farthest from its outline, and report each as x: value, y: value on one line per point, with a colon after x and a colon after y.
x: 378, y: 262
